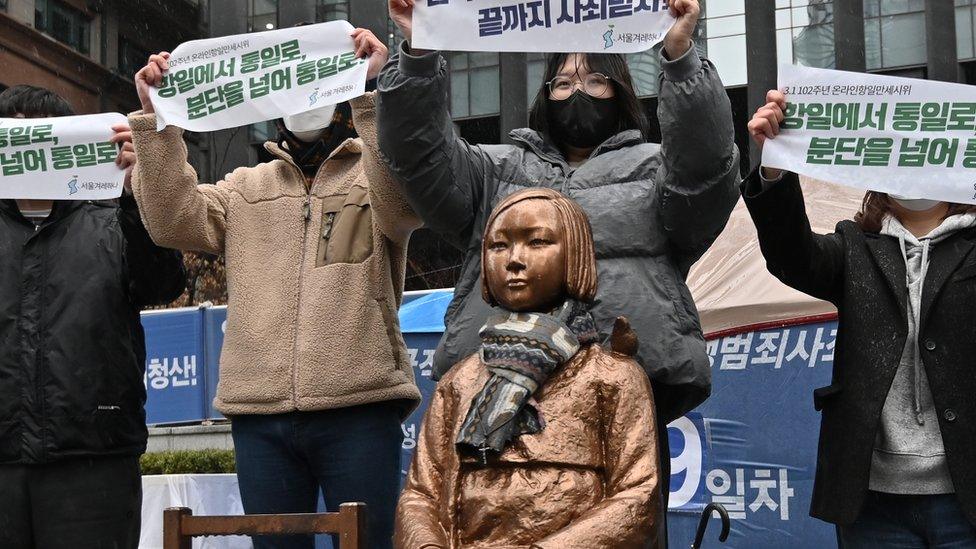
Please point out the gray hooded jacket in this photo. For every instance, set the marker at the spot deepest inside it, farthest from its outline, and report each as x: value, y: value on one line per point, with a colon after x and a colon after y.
x: 654, y: 208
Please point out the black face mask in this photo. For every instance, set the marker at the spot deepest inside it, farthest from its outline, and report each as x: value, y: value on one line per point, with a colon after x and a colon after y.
x: 582, y: 120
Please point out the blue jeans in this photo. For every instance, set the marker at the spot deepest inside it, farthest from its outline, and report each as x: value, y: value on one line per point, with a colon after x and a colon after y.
x: 352, y: 454
x: 909, y: 522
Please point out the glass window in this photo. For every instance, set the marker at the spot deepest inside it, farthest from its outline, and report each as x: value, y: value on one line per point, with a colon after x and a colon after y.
x: 805, y: 32
x: 813, y: 34
x: 894, y: 33
x: 474, y: 84
x: 964, y: 31
x: 3, y: 7
x: 535, y: 72
x: 263, y: 131
x: 331, y: 10
x: 395, y: 37
x: 64, y: 23
x: 262, y: 15
x: 965, y: 22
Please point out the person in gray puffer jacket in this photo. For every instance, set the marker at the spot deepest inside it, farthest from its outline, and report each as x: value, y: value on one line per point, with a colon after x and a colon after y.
x: 654, y: 208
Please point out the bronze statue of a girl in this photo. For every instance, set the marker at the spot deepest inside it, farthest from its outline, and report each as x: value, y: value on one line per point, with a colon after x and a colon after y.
x: 543, y: 438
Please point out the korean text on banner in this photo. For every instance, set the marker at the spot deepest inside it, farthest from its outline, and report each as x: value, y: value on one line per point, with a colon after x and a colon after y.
x: 60, y: 158
x: 231, y: 81
x: 915, y: 138
x: 608, y: 26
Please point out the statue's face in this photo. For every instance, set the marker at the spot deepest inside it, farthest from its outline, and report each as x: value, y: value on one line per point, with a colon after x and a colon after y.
x: 526, y: 257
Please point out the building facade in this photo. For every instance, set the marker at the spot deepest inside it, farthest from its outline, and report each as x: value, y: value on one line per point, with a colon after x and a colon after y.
x: 89, y: 51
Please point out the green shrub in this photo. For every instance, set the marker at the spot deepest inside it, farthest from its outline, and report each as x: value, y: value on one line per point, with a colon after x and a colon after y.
x: 183, y: 462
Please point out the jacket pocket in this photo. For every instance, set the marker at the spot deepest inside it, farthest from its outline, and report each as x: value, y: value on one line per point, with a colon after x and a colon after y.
x: 823, y: 395
x: 346, y: 234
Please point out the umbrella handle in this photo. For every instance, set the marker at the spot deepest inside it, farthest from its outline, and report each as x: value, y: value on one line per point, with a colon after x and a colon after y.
x: 703, y: 524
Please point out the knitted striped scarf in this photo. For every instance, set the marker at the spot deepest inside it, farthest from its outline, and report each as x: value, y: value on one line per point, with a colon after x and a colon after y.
x: 521, y: 351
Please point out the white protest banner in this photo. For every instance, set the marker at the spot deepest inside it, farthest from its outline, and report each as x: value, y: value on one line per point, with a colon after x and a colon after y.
x: 232, y: 81
x: 593, y: 26
x: 915, y: 138
x: 60, y: 158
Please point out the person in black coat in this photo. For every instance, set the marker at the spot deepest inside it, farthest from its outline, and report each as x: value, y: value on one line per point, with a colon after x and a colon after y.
x: 74, y: 276
x: 896, y: 465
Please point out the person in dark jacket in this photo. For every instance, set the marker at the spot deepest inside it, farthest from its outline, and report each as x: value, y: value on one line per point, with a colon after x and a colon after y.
x: 895, y: 466
x: 654, y: 208
x: 73, y: 277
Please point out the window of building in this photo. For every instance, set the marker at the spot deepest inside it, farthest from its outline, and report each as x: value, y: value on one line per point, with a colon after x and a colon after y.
x: 894, y: 33
x: 63, y: 23
x: 645, y: 66
x: 395, y: 37
x: 805, y: 33
x: 262, y: 131
x: 965, y: 20
x: 262, y: 15
x: 721, y: 35
x: 474, y: 84
x: 331, y: 10
x: 131, y: 57
x: 535, y: 73
x: 3, y: 5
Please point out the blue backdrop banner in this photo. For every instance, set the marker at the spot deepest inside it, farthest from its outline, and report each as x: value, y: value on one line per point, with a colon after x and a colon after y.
x: 751, y: 446
x: 175, y: 380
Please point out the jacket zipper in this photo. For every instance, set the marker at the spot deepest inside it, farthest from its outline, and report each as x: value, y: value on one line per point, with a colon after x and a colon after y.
x: 306, y: 216
x: 327, y: 226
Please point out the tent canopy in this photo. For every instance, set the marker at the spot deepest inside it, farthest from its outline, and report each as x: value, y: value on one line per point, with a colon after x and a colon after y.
x: 730, y: 283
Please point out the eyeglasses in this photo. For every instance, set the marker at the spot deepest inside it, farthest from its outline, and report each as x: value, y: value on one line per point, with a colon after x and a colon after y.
x: 594, y: 84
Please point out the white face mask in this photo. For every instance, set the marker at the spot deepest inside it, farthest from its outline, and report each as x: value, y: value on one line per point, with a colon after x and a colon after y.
x: 309, y: 125
x: 914, y: 204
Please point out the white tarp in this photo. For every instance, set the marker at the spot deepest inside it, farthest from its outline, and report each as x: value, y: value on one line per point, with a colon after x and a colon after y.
x: 916, y: 138
x: 615, y: 26
x: 60, y: 158
x: 231, y: 81
x: 204, y: 494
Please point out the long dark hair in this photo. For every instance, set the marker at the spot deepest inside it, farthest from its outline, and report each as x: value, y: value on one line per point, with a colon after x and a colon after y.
x: 614, y: 66
x: 877, y: 205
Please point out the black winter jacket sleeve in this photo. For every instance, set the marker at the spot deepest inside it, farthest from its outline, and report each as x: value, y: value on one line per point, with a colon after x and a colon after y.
x: 810, y: 262
x: 698, y: 183
x: 156, y: 274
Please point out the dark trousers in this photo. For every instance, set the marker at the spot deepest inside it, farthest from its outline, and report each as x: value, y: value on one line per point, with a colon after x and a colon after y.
x: 909, y: 522
x: 78, y: 503
x: 351, y: 454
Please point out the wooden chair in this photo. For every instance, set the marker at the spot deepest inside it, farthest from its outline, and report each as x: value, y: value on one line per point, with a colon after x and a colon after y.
x: 179, y: 525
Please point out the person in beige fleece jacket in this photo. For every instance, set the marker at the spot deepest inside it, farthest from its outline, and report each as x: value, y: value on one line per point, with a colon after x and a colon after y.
x: 314, y: 373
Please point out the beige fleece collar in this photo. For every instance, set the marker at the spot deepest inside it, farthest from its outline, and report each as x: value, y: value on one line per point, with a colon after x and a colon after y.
x: 348, y: 147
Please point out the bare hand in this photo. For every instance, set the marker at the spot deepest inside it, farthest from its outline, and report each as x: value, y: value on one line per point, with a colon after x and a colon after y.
x: 126, y: 159
x: 401, y: 12
x: 678, y: 40
x: 368, y: 45
x: 151, y: 75
x: 765, y: 124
